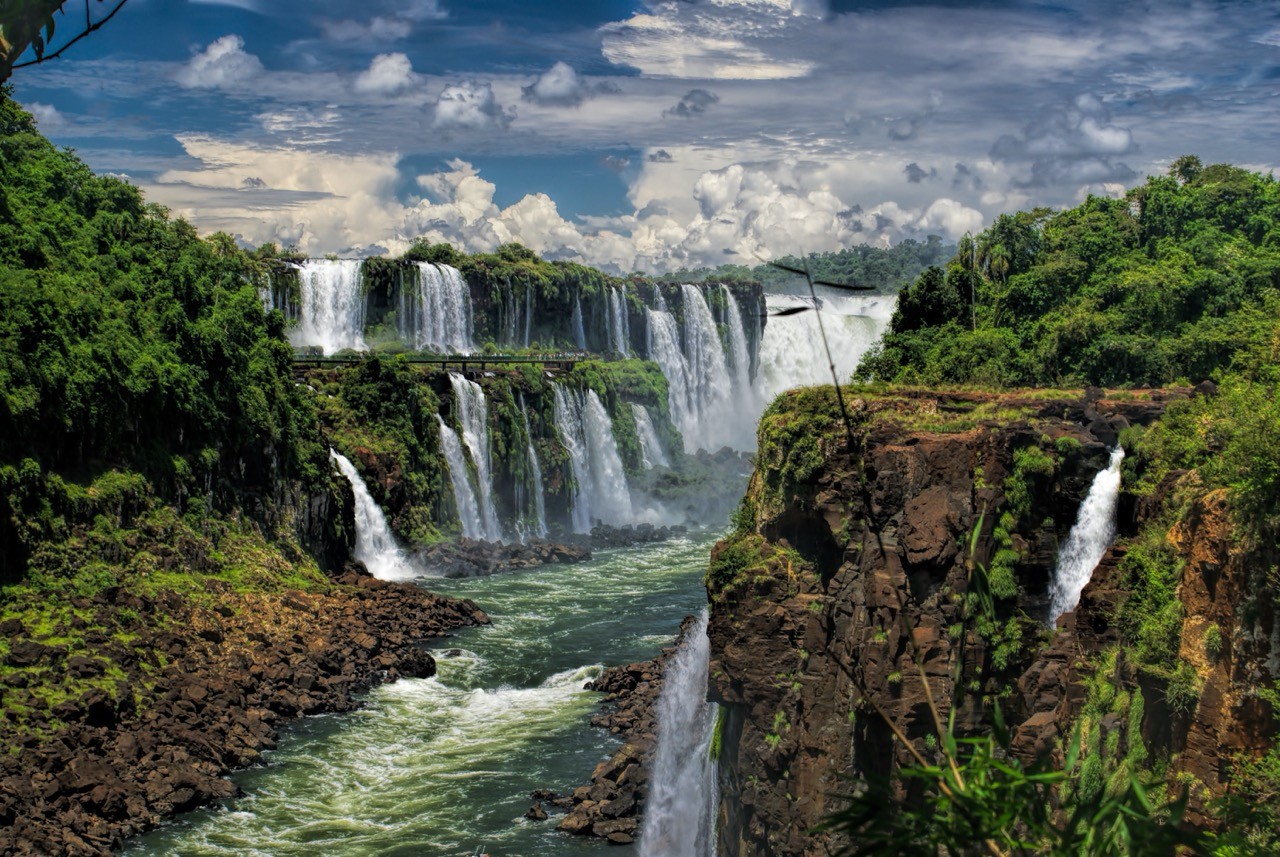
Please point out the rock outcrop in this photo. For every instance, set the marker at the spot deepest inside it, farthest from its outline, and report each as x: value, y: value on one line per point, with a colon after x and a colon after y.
x: 846, y: 571
x: 220, y: 676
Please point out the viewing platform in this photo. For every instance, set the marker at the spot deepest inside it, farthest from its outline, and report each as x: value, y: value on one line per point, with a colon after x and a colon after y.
x: 464, y: 363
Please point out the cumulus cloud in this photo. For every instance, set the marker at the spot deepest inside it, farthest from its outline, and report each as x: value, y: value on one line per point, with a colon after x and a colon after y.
x: 387, y: 74
x: 1076, y: 144
x: 559, y: 84
x: 470, y: 104
x: 695, y: 102
x: 223, y: 63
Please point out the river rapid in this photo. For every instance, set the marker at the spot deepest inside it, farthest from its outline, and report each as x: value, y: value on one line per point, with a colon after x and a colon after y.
x: 443, y: 765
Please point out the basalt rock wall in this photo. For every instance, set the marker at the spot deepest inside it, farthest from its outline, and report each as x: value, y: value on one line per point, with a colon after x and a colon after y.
x: 845, y: 566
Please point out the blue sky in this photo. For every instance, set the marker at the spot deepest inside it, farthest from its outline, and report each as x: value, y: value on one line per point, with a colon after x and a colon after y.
x: 651, y: 135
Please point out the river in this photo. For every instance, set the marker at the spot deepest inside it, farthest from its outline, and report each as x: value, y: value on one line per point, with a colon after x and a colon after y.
x: 442, y: 765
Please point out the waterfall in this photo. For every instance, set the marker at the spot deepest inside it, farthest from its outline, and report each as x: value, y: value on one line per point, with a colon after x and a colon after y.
x: 464, y: 495
x: 528, y: 312
x: 579, y: 332
x: 443, y: 320
x: 473, y: 416
x: 651, y: 452
x: 791, y: 353
x: 332, y: 311
x: 704, y: 406
x: 1094, y: 529
x: 679, y: 815
x: 375, y: 545
x: 738, y: 349
x: 618, y: 322
x: 535, y: 471
x: 587, y: 434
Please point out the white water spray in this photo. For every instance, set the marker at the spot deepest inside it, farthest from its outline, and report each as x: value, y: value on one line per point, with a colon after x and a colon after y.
x: 579, y: 332
x: 473, y: 416
x: 1092, y: 534
x: 375, y: 545
x: 331, y: 314
x: 791, y: 353
x: 602, y: 492
x: 651, y: 452
x: 679, y: 815
x: 619, y: 323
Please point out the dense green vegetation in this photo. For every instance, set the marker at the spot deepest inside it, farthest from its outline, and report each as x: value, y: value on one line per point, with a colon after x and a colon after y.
x: 885, y: 269
x: 1165, y: 284
x: 129, y: 343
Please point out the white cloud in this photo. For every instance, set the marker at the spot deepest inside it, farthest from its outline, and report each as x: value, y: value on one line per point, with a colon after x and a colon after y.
x: 559, y: 84
x: 388, y: 74
x: 470, y: 104
x: 223, y: 63
x: 47, y: 117
x: 721, y: 39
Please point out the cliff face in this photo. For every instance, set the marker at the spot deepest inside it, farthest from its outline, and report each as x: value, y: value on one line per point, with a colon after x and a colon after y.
x: 845, y: 564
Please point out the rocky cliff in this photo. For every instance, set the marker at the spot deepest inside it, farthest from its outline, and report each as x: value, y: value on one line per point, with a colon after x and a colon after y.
x: 847, y: 566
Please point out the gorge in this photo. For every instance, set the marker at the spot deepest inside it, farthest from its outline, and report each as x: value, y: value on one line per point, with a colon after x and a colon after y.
x: 240, y: 488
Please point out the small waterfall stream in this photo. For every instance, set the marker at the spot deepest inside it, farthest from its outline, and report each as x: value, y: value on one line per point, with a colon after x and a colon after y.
x: 473, y: 416
x: 579, y: 332
x: 1092, y: 534
x: 331, y: 312
x: 602, y: 492
x: 679, y: 816
x: 464, y: 496
x: 375, y: 545
x: 535, y: 479
x: 651, y: 452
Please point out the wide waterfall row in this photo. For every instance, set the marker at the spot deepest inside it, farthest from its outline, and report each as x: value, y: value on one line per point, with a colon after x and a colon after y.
x: 602, y: 493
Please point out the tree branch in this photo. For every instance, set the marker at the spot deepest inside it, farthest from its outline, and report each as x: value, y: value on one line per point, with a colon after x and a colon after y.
x: 89, y: 28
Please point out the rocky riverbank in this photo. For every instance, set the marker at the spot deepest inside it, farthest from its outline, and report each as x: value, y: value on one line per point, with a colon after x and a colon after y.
x: 216, y: 678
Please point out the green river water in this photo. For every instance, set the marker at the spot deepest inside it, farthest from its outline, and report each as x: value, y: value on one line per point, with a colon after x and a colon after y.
x: 440, y: 766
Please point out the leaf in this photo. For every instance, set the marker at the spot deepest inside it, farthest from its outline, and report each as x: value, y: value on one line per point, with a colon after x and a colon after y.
x: 791, y: 310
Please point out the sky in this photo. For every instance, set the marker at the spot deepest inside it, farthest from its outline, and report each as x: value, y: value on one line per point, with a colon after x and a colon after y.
x: 649, y: 136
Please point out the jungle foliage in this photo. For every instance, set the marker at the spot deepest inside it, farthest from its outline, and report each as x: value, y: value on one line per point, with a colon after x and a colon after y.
x: 1167, y: 283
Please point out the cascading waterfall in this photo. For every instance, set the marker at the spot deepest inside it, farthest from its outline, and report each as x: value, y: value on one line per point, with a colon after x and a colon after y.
x: 679, y: 815
x: 791, y: 353
x: 535, y: 479
x: 442, y: 320
x: 375, y: 545
x: 738, y: 349
x: 464, y: 495
x: 651, y: 452
x: 331, y: 314
x: 528, y: 312
x: 1092, y: 534
x: 619, y: 323
x: 473, y: 416
x: 579, y: 332
x: 602, y: 492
